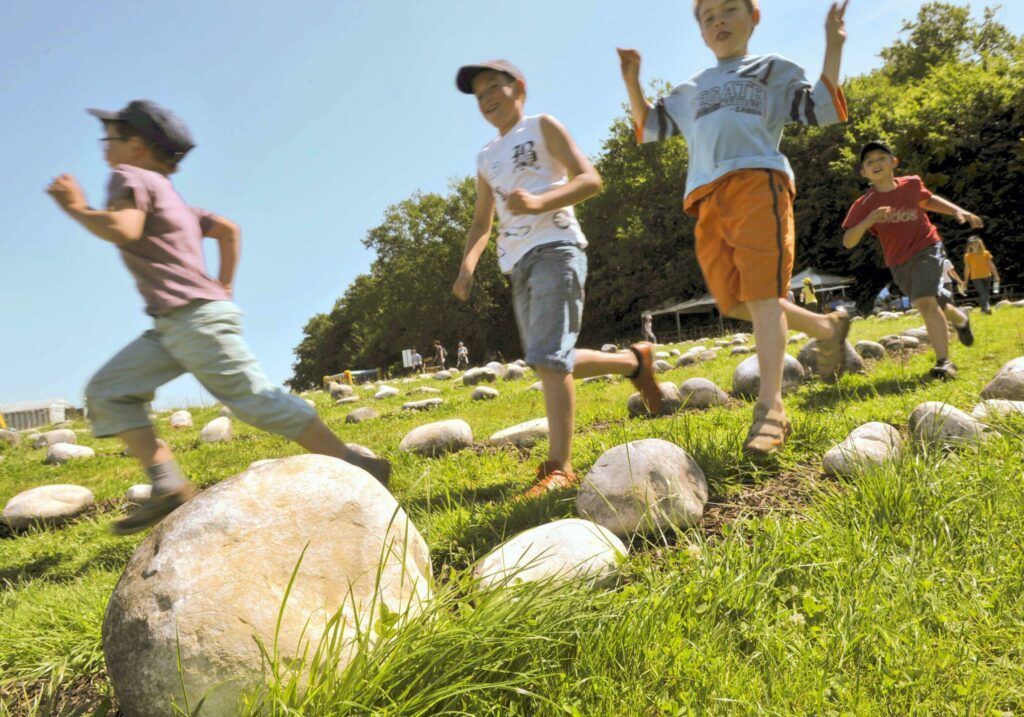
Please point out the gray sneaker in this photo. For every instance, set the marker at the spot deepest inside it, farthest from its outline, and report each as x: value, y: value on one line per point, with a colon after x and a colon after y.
x: 153, y: 510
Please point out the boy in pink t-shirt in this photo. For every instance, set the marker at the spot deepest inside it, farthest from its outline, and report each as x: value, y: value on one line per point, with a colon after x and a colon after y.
x: 197, y: 328
x: 895, y: 209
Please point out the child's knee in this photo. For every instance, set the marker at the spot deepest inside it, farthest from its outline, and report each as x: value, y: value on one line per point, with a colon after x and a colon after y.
x: 926, y: 303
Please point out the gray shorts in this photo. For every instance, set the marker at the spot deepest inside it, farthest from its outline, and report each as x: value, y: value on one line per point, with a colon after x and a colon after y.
x: 203, y: 338
x: 921, y: 276
x: 547, y: 296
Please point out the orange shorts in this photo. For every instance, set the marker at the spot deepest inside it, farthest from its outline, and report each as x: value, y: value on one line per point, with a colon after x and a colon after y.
x: 745, y: 236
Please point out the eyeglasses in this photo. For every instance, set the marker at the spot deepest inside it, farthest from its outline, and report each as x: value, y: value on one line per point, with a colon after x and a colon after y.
x: 104, y: 141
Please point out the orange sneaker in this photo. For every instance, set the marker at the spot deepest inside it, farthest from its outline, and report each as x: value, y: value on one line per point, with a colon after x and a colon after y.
x: 644, y: 379
x: 550, y: 477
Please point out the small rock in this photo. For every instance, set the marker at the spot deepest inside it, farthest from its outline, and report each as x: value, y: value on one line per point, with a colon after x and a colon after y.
x: 721, y: 343
x: 935, y: 422
x: 49, y: 438
x: 522, y: 435
x: 1008, y: 383
x: 670, y: 401
x: 520, y: 362
x: 359, y: 450
x: 424, y: 405
x: 662, y: 355
x: 514, y: 372
x: 603, y: 378
x: 310, y: 402
x: 739, y: 350
x: 339, y: 390
x: 1003, y: 302
x: 225, y: 412
x: 443, y: 376
x: 746, y: 379
x: 497, y: 367
x: 687, y: 359
x: 11, y: 438
x: 610, y: 348
x: 920, y: 333
x: 46, y: 505
x: 346, y: 401
x: 217, y: 431
x: 675, y: 353
x: 424, y: 389
x: 361, y: 414
x: 565, y: 550
x: 808, y: 358
x: 435, y: 439
x: 701, y: 393
x: 661, y: 366
x: 709, y: 355
x: 738, y: 341
x: 643, y: 486
x: 180, y: 419
x: 479, y: 375
x: 871, y: 444
x: 538, y: 386
x: 484, y: 393
x: 63, y: 452
x: 386, y: 392
x: 869, y: 349
x: 139, y: 494
x: 997, y: 408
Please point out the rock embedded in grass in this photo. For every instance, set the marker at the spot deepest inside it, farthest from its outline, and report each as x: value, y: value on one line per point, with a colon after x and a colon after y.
x: 939, y: 423
x: 739, y: 350
x: 871, y: 444
x: 49, y: 438
x: 670, y: 401
x: 424, y: 389
x: 484, y: 393
x: 567, y: 550
x: 661, y: 366
x: 701, y: 393
x: 49, y: 505
x: 346, y: 401
x: 180, y: 419
x: 920, y: 333
x: 746, y: 379
x: 522, y: 435
x: 217, y: 431
x: 225, y: 412
x: 339, y: 390
x: 869, y: 349
x: 386, y: 392
x: 60, y: 453
x: 424, y: 405
x: 481, y: 374
x: 336, y: 543
x: 537, y: 386
x: 514, y: 372
x: 437, y: 439
x: 139, y: 493
x: 442, y: 376
x: 997, y: 408
x: 645, y: 486
x: 1008, y: 383
x: 361, y: 451
x: 361, y: 414
x: 11, y: 438
x: 709, y: 355
x: 808, y: 358
x: 497, y: 367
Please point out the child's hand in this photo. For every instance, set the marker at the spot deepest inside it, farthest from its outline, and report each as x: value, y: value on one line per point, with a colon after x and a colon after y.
x: 522, y: 202
x: 66, y: 192
x: 629, y: 63
x: 967, y: 218
x: 835, y: 25
x: 462, y: 285
x: 879, y: 215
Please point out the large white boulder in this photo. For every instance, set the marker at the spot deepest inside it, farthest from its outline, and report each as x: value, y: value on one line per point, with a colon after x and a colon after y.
x: 522, y: 435
x: 1008, y: 383
x: 63, y: 452
x: 670, y: 401
x: 435, y: 439
x: 49, y: 438
x: 565, y: 550
x: 645, y: 486
x: 940, y: 423
x: 871, y: 444
x: 224, y: 574
x: 46, y: 505
x: 746, y: 379
x: 217, y: 431
x: 180, y: 419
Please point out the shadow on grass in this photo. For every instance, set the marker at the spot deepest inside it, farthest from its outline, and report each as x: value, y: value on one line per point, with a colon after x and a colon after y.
x: 823, y: 395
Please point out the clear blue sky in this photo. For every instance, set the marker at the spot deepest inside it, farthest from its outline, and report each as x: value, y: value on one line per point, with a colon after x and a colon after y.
x: 310, y: 118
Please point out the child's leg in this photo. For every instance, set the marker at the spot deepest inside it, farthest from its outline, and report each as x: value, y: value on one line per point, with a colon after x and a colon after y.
x: 598, y: 363
x: 560, y: 405
x: 954, y: 315
x: 935, y: 322
x: 770, y: 333
x: 797, y: 318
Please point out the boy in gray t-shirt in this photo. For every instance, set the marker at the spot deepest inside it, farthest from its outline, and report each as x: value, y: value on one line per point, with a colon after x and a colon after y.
x: 197, y: 329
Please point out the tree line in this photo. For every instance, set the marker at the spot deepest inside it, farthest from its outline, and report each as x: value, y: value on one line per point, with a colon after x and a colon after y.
x: 949, y: 99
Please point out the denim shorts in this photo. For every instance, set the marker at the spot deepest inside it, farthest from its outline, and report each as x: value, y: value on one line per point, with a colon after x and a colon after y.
x: 205, y: 339
x: 921, y: 276
x: 547, y: 295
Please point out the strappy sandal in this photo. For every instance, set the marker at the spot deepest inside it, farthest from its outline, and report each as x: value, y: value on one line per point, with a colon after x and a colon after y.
x: 550, y: 476
x: 643, y: 377
x: 832, y: 352
x: 767, y: 434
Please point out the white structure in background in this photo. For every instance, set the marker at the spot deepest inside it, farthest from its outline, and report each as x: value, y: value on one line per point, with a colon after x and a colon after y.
x: 32, y: 414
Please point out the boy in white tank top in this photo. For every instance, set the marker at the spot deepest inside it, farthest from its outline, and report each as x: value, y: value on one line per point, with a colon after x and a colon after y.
x: 532, y: 174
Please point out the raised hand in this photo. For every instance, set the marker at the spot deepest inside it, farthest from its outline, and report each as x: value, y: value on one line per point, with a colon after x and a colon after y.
x: 835, y: 24
x: 67, y: 193
x: 629, y: 63
x: 965, y: 217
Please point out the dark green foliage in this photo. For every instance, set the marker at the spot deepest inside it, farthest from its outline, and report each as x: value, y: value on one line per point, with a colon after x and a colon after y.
x: 949, y: 99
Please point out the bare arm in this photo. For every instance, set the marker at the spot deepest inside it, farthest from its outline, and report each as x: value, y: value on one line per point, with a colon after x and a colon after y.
x: 476, y: 241
x: 639, y: 107
x: 939, y: 205
x: 835, y: 37
x: 995, y: 272
x: 229, y: 242
x: 853, y: 235
x: 120, y: 224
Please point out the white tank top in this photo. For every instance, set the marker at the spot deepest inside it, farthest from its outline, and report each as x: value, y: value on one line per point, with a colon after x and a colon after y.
x: 520, y: 160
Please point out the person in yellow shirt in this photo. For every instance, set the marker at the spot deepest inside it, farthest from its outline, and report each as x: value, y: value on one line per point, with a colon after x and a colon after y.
x: 807, y: 295
x: 979, y: 269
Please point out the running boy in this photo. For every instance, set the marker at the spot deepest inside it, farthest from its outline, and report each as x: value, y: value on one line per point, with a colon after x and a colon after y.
x: 895, y: 209
x: 740, y: 186
x: 533, y: 173
x: 197, y: 329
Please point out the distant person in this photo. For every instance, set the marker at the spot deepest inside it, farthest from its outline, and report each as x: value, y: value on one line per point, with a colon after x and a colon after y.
x: 951, y: 281
x: 895, y: 209
x: 740, y: 186
x: 440, y: 355
x: 979, y: 269
x: 533, y: 173
x: 807, y: 296
x: 461, y: 357
x: 417, y: 362
x: 647, y: 321
x: 197, y: 329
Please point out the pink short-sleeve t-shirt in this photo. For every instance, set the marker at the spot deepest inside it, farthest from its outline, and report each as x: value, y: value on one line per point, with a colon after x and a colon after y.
x: 167, y: 262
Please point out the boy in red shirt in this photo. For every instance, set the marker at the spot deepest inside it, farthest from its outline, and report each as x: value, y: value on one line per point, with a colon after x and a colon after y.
x: 895, y: 209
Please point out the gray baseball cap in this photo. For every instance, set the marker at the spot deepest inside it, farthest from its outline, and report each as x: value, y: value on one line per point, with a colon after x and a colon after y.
x: 155, y: 124
x: 466, y: 73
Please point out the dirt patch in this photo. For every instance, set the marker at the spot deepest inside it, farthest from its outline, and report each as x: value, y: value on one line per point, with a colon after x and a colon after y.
x: 84, y: 696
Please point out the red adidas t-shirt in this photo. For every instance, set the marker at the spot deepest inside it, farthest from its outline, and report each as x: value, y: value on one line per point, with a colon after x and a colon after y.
x: 908, y: 230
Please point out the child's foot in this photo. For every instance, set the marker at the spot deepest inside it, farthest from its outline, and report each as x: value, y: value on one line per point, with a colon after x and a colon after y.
x: 550, y: 476
x: 767, y: 434
x: 964, y: 333
x: 832, y: 351
x: 943, y: 369
x: 153, y: 510
x: 643, y: 377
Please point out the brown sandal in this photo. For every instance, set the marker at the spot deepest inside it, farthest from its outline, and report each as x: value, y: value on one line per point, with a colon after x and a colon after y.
x: 831, y: 352
x: 550, y: 476
x: 767, y: 434
x: 643, y: 377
